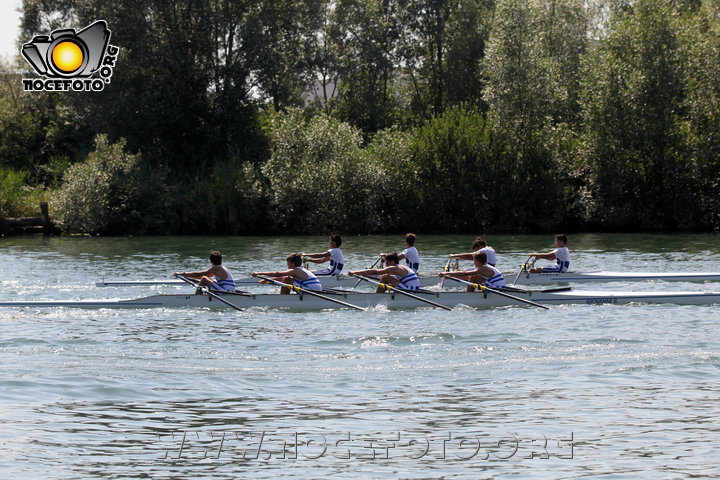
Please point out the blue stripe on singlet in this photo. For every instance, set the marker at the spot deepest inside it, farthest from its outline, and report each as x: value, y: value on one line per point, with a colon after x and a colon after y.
x: 496, y: 281
x: 559, y: 267
x: 226, y: 285
x: 407, y: 279
x: 309, y: 284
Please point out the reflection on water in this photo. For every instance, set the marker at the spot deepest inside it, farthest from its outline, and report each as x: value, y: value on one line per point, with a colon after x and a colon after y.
x: 178, y: 393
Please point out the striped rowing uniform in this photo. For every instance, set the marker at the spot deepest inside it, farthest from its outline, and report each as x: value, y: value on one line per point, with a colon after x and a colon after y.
x: 412, y: 258
x: 562, y: 262
x: 496, y: 280
x: 225, y: 285
x: 490, y: 253
x: 410, y: 280
x: 310, y: 283
x: 337, y: 262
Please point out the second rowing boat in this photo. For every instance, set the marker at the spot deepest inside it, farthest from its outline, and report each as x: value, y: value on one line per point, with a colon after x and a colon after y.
x: 450, y: 299
x: 525, y: 278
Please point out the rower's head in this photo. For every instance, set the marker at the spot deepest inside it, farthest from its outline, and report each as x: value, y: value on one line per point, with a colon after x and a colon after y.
x: 480, y: 259
x: 335, y: 240
x: 560, y: 240
x: 479, y: 243
x: 392, y: 259
x: 294, y: 260
x: 410, y: 239
x: 215, y: 257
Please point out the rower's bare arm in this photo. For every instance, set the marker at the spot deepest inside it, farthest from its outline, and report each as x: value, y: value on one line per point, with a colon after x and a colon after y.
x: 315, y: 255
x: 545, y: 256
x: 284, y: 273
x: 459, y: 273
x: 461, y: 256
x: 321, y: 259
x: 375, y: 271
x: 206, y: 273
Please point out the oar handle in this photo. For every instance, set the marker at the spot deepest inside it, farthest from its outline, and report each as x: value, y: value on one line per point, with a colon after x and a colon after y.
x: 380, y: 257
x: 523, y: 268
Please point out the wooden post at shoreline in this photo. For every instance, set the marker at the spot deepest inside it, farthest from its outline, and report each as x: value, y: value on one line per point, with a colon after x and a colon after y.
x: 21, y: 225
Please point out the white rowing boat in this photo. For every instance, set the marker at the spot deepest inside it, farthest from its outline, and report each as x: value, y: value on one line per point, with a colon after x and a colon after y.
x: 390, y: 300
x: 525, y: 278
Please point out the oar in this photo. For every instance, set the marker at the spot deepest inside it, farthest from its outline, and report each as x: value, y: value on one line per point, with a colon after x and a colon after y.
x: 523, y: 267
x: 297, y: 289
x: 371, y: 266
x: 399, y: 290
x: 484, y: 288
x: 207, y: 290
x: 446, y: 268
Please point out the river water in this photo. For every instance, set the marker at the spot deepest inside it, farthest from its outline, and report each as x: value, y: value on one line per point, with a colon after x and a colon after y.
x: 602, y: 391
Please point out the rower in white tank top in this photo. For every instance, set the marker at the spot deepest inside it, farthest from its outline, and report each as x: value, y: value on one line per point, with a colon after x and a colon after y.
x: 227, y: 284
x: 490, y: 253
x: 310, y: 283
x: 337, y: 262
x: 412, y: 258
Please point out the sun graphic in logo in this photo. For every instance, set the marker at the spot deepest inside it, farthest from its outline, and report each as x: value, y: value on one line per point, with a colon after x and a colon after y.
x: 67, y: 56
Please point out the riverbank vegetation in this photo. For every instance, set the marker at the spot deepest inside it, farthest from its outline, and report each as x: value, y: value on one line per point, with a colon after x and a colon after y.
x: 309, y: 116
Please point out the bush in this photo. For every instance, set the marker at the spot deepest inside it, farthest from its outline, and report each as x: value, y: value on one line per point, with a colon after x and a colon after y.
x: 101, y: 194
x: 17, y: 198
x: 312, y: 173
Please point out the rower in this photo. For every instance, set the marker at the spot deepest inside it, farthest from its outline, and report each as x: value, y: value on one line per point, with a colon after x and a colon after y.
x: 410, y: 254
x: 560, y: 254
x: 478, y: 246
x: 333, y: 254
x: 296, y: 274
x: 217, y: 277
x: 483, y: 273
x: 400, y: 276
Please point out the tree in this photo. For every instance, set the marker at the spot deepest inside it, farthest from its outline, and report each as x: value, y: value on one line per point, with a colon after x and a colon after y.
x: 531, y: 74
x: 632, y: 94
x: 365, y: 36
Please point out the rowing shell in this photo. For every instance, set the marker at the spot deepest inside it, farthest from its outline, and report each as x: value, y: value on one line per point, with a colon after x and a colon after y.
x: 389, y: 300
x: 344, y: 281
x: 543, y: 278
x: 334, y: 281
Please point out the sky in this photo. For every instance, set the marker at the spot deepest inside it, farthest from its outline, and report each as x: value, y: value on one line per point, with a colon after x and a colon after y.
x: 9, y: 27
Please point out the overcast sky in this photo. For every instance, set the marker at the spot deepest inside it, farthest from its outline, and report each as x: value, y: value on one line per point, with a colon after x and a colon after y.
x: 9, y: 26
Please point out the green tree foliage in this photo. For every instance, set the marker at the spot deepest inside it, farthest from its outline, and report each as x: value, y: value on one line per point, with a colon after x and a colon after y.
x: 34, y: 128
x: 439, y: 115
x: 440, y: 45
x: 632, y: 95
x: 365, y: 37
x: 17, y: 198
x: 529, y: 69
x: 700, y: 127
x: 109, y: 193
x: 312, y: 173
x: 452, y: 152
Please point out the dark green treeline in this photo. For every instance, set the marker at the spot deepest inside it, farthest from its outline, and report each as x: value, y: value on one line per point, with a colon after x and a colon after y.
x: 365, y: 116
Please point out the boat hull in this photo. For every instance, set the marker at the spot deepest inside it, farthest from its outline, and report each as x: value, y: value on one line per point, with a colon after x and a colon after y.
x: 602, y: 276
x: 388, y: 300
x: 344, y: 281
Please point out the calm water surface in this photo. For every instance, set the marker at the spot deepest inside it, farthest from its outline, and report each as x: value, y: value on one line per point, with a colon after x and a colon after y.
x: 578, y: 391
